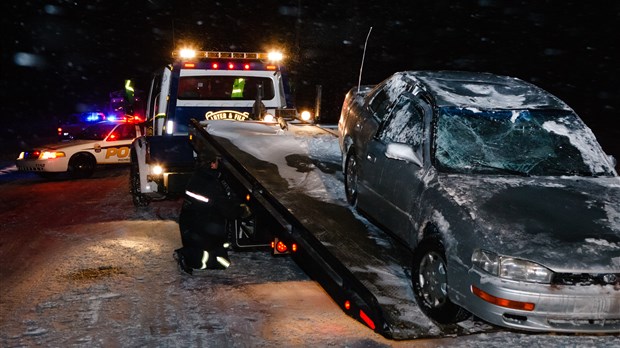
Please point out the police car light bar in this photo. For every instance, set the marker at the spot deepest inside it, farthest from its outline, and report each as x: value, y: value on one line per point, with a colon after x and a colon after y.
x: 189, y: 54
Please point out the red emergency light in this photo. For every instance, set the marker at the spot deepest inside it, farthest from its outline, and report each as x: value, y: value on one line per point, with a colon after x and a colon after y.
x: 246, y: 66
x: 231, y: 66
x: 215, y: 66
x: 281, y: 247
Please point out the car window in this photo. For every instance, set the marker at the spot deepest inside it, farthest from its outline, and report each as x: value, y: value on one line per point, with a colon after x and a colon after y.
x: 380, y: 104
x: 405, y: 123
x: 127, y: 131
x: 96, y: 131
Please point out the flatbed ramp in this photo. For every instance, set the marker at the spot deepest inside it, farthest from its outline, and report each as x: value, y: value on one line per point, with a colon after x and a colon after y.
x: 296, y: 172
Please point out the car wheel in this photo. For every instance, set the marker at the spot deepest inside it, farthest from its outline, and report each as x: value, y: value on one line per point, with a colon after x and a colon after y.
x: 82, y: 165
x: 430, y: 283
x: 350, y: 178
x: 139, y: 200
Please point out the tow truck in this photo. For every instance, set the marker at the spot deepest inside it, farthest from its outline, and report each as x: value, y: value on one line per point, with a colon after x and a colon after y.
x: 283, y: 174
x: 205, y: 85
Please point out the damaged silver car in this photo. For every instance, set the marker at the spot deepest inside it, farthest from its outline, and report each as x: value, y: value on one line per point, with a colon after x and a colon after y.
x: 503, y: 194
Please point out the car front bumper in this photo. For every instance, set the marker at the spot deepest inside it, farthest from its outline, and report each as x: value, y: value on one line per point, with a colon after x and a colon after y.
x: 557, y: 308
x: 36, y: 165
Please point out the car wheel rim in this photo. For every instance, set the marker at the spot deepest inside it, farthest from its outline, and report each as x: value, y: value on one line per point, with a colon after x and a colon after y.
x: 352, y: 178
x: 433, y: 280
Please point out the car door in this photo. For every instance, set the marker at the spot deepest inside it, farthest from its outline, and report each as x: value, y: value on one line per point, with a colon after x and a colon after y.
x: 376, y: 110
x: 398, y: 153
x: 115, y: 147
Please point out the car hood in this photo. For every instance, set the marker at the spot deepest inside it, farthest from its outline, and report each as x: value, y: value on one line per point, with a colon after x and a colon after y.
x: 564, y: 223
x: 69, y: 144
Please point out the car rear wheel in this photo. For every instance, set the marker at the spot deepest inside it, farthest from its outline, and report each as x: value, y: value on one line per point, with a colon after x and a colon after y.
x: 430, y: 283
x: 82, y: 165
x: 350, y: 178
x: 139, y: 200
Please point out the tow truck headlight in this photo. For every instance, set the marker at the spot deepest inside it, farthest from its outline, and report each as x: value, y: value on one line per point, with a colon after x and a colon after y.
x: 269, y: 118
x: 305, y: 116
x: 157, y: 170
x: 511, y: 268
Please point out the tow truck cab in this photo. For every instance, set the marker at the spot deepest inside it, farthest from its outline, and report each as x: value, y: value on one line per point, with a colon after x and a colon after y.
x: 202, y: 85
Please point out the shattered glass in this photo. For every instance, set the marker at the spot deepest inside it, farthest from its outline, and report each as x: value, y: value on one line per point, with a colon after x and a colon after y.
x: 517, y: 142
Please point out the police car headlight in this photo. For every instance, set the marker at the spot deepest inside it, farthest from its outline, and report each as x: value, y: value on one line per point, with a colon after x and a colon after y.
x: 157, y: 170
x: 21, y: 156
x: 51, y: 155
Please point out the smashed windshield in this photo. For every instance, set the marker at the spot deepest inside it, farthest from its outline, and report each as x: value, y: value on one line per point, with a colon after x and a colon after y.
x: 96, y: 131
x: 522, y: 142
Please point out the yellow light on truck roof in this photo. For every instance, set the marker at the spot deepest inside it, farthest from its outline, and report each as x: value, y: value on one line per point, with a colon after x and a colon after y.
x: 187, y: 53
x: 275, y: 56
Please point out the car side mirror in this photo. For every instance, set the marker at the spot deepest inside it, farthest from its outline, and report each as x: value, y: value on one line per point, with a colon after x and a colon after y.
x: 403, y: 152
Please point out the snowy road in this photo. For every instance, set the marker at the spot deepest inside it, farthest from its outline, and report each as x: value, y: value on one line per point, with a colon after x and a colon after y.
x: 81, y: 267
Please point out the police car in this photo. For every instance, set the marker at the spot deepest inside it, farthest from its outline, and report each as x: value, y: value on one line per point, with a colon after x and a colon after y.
x: 101, y: 143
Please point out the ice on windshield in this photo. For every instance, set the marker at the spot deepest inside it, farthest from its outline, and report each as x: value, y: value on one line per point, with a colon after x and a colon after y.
x: 527, y: 142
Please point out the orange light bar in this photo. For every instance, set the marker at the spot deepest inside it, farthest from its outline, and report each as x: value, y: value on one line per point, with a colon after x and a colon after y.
x: 502, y: 302
x: 367, y: 320
x: 271, y: 67
x: 189, y: 65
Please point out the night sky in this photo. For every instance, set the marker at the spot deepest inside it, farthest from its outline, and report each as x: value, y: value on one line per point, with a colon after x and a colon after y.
x: 61, y: 57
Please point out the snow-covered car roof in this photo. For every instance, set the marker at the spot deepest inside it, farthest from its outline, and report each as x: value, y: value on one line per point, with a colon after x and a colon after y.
x: 484, y: 91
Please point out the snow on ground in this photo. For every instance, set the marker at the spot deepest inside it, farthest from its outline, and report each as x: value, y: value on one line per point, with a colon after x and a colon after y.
x: 106, y: 278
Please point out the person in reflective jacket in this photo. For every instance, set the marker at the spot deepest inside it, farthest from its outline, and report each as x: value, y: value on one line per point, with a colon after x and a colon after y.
x: 208, y: 203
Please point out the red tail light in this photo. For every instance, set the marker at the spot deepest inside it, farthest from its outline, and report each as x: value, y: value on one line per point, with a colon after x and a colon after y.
x: 367, y: 319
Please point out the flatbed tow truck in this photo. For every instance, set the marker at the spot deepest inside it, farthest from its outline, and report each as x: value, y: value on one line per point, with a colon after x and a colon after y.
x: 283, y: 173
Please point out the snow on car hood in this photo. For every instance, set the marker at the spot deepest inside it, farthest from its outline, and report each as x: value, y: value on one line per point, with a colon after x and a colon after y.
x: 564, y: 223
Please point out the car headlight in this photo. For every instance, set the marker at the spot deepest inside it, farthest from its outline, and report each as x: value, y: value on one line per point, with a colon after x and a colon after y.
x: 511, y: 268
x: 51, y: 155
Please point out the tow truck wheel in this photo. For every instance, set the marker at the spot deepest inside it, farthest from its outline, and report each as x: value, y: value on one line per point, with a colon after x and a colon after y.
x: 139, y: 200
x: 430, y: 283
x: 350, y: 178
x: 82, y: 165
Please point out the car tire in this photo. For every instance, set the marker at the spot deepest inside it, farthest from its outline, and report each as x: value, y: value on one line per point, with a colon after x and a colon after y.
x: 350, y: 178
x: 82, y: 165
x: 430, y: 283
x: 139, y: 200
